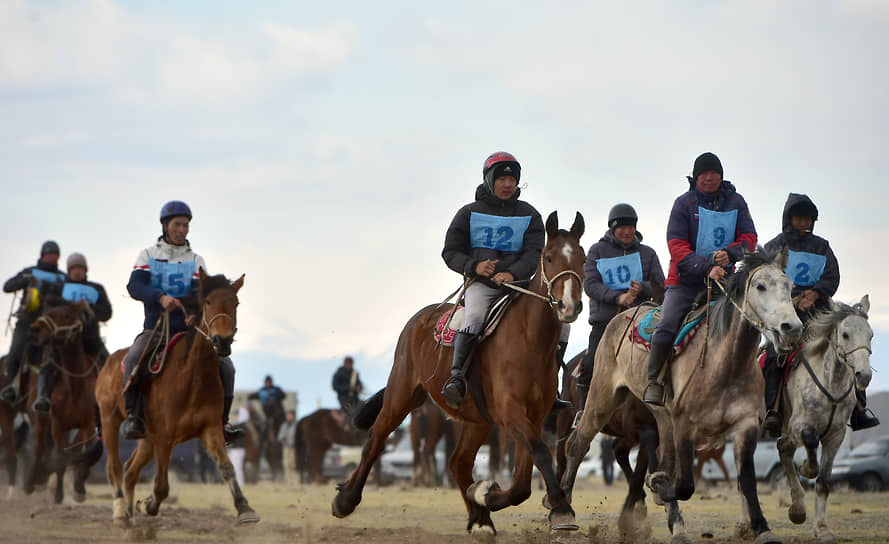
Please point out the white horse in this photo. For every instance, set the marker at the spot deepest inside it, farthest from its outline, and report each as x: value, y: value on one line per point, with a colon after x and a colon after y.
x: 819, y: 398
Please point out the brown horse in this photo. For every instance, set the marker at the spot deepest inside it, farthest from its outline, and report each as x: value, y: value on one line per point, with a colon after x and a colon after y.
x: 183, y: 402
x: 716, y: 391
x: 428, y: 427
x: 10, y: 435
x: 59, y: 331
x: 315, y: 433
x: 706, y: 453
x: 517, y: 373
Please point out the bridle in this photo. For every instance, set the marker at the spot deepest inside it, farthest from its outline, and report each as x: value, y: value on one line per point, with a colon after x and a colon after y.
x: 549, y: 299
x: 208, y: 323
x: 755, y: 320
x: 64, y: 333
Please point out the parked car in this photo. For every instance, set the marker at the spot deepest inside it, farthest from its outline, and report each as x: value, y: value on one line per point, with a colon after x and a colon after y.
x: 766, y: 462
x: 866, y: 468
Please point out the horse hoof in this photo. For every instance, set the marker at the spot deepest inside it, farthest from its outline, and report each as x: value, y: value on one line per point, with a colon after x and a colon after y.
x: 767, y: 537
x: 78, y: 497
x: 340, y: 507
x: 797, y: 515
x: 563, y: 521
x: 476, y: 492
x: 808, y: 472
x: 248, y: 516
x: 482, y: 533
x: 656, y: 480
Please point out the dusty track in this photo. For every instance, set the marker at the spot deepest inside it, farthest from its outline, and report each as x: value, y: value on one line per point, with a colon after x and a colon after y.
x: 397, y: 514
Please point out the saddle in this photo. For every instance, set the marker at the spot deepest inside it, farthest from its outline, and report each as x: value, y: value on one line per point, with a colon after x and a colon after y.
x: 156, y: 364
x: 640, y: 335
x: 445, y: 332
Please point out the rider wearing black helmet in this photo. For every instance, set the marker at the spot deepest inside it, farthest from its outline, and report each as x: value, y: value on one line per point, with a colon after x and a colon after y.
x: 618, y: 273
x: 163, y: 274
x: 493, y: 240
x: 45, y: 273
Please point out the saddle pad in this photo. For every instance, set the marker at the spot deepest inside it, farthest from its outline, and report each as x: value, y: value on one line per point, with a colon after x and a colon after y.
x: 641, y: 333
x: 492, y: 319
x: 155, y: 364
x: 788, y: 363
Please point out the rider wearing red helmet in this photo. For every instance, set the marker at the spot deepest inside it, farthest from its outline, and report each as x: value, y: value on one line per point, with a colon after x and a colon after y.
x: 495, y: 239
x: 164, y: 273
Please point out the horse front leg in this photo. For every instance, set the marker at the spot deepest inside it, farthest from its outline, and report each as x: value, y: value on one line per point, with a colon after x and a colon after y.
x: 152, y: 503
x: 113, y: 467
x: 7, y: 434
x: 822, y: 488
x: 596, y: 415
x: 213, y: 440
x: 39, y: 465
x: 634, y: 511
x: 519, y: 491
x: 59, y: 442
x: 475, y: 494
x: 140, y: 457
x: 744, y: 447
x: 797, y: 511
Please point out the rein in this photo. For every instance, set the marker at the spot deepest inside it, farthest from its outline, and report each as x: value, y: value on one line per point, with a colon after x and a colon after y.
x: 207, y: 324
x: 547, y: 282
x: 758, y: 322
x: 66, y: 333
x: 833, y: 401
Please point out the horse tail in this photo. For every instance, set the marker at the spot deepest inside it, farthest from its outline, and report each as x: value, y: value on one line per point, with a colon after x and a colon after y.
x: 369, y: 412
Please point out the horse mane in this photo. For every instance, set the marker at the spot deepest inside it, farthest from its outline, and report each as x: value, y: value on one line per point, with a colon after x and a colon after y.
x: 817, y: 336
x: 212, y: 283
x: 735, y: 284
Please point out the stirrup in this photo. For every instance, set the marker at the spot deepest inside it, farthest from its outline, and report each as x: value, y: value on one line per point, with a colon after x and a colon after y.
x: 654, y: 394
x: 231, y: 434
x: 454, y: 391
x: 863, y: 419
x: 772, y: 423
x: 133, y: 428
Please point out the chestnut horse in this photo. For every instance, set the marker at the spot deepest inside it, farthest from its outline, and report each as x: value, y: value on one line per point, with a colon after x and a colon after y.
x: 315, y: 433
x: 715, y: 390
x: 518, y: 377
x: 183, y: 402
x: 59, y: 331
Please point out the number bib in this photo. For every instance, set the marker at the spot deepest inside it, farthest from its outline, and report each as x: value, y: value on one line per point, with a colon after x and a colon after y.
x: 618, y: 272
x: 805, y: 269
x: 716, y: 230
x: 46, y: 277
x: 174, y: 279
x: 496, y: 232
x: 79, y: 291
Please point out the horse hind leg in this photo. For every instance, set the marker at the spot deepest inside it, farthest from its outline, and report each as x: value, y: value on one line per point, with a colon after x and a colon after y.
x: 634, y: 512
x: 744, y: 446
x: 474, y: 493
x: 822, y: 490
x: 212, y: 438
x: 797, y: 511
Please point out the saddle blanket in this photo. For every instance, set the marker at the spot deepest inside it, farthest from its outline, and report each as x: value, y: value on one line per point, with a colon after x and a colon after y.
x: 495, y: 314
x: 640, y: 335
x: 158, y: 359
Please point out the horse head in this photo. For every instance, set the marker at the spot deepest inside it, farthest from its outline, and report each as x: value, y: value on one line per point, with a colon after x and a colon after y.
x: 219, y: 304
x: 561, y: 267
x: 60, y: 322
x: 853, y: 337
x: 767, y: 303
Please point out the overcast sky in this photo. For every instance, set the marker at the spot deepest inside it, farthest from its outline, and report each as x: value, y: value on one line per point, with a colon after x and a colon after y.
x: 324, y: 148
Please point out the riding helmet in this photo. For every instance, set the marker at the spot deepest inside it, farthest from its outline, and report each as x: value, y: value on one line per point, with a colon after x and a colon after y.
x: 174, y: 208
x: 499, y: 164
x: 49, y: 246
x: 621, y: 214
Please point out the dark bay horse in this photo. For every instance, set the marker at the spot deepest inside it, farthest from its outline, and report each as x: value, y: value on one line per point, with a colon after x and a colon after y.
x: 518, y: 377
x: 10, y: 435
x: 183, y: 402
x: 59, y: 331
x: 715, y: 389
x: 315, y: 434
x: 428, y: 427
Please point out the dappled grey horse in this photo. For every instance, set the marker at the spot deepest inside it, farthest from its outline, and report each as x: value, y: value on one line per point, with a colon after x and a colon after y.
x: 818, y: 398
x: 715, y: 389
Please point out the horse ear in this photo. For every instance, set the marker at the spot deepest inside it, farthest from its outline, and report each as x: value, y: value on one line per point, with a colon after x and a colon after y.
x: 864, y: 304
x: 781, y: 258
x: 202, y: 274
x: 238, y: 283
x: 578, y: 227
x: 552, y: 225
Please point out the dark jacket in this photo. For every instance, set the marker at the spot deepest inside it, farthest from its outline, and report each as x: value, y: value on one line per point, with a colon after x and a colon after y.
x: 269, y: 394
x: 46, y: 274
x: 342, y: 379
x: 808, y: 242
x: 686, y: 266
x: 603, y: 299
x: 102, y: 306
x: 460, y: 254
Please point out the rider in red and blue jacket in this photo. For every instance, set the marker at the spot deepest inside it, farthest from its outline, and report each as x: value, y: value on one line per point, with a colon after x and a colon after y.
x: 709, y: 229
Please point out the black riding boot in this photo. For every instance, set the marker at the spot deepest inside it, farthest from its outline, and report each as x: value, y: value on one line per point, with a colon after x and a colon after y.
x: 654, y: 393
x: 772, y: 374
x: 862, y: 418
x: 454, y: 389
x: 231, y: 434
x: 133, y: 427
x: 45, y: 382
x: 560, y: 404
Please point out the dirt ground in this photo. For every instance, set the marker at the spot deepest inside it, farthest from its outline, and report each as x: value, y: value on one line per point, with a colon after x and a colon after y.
x: 401, y: 514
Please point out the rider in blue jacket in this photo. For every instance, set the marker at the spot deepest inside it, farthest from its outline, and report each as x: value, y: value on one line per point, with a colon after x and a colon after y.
x: 163, y: 275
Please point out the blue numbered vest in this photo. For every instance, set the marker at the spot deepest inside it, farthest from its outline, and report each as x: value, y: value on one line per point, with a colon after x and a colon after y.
x: 80, y: 291
x: 716, y: 230
x: 804, y: 268
x: 47, y: 277
x: 174, y: 279
x: 618, y: 272
x: 496, y: 232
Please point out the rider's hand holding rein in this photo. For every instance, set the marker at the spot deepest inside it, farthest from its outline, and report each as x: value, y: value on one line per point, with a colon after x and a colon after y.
x: 171, y: 304
x: 720, y: 257
x: 486, y: 268
x: 717, y: 273
x: 502, y: 277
